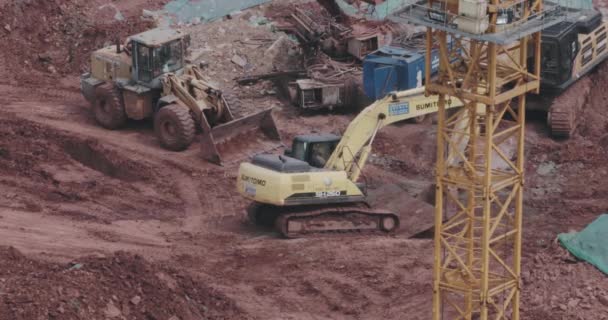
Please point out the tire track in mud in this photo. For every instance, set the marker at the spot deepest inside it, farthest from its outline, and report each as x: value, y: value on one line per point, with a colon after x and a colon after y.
x: 3, y: 68
x: 192, y: 204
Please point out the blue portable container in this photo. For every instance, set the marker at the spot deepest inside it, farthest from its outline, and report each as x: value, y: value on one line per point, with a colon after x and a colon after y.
x: 396, y: 68
x: 391, y: 69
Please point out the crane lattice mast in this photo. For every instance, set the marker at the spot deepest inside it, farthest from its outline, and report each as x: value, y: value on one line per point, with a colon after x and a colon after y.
x: 489, y: 56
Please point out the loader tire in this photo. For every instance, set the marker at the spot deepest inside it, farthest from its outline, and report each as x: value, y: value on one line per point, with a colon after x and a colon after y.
x: 234, y: 105
x: 109, y: 107
x: 174, y: 127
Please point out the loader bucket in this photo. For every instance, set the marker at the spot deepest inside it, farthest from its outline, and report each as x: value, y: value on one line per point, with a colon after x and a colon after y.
x: 416, y: 216
x: 240, y: 138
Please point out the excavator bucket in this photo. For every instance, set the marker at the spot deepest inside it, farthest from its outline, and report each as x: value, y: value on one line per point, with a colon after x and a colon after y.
x: 416, y: 216
x: 240, y: 138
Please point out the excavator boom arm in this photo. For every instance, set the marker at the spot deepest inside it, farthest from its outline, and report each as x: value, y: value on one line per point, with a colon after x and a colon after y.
x: 399, y: 106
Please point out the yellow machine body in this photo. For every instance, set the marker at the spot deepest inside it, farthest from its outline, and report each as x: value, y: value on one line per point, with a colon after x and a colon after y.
x: 277, y: 188
x: 336, y: 182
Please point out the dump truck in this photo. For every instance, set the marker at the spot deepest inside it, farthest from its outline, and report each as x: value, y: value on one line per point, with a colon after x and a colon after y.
x: 315, y: 187
x: 148, y: 78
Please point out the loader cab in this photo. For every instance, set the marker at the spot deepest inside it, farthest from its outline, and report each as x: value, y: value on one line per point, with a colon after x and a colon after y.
x: 157, y: 52
x: 313, y: 149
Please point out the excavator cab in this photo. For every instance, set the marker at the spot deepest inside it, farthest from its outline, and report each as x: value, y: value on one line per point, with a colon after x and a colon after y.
x: 313, y: 149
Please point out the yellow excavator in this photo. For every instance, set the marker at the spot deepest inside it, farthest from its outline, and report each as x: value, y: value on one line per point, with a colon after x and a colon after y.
x: 314, y: 187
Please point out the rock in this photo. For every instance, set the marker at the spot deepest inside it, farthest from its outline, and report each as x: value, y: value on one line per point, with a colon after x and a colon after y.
x: 602, y: 299
x: 52, y: 69
x: 572, y: 303
x: 563, y: 307
x: 174, y: 318
x: 546, y: 168
x: 149, y: 14
x: 8, y: 28
x: 136, y: 300
x: 239, y: 60
x: 44, y: 57
x: 111, y: 311
x: 585, y: 306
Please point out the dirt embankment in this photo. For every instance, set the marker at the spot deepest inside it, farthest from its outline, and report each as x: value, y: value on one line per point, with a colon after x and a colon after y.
x: 568, y: 177
x: 43, y: 38
x: 565, y: 191
x: 119, y: 286
x: 47, y: 170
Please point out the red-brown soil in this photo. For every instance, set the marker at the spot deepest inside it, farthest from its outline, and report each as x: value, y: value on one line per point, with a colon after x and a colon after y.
x: 121, y: 286
x: 169, y: 227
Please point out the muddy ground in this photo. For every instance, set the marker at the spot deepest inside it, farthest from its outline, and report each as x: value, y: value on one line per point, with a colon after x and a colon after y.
x: 101, y: 224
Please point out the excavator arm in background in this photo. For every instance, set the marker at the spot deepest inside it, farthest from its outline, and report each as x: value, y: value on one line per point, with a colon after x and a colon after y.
x: 355, y: 146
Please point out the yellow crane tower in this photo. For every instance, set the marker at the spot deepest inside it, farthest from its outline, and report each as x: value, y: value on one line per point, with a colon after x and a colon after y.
x: 490, y: 56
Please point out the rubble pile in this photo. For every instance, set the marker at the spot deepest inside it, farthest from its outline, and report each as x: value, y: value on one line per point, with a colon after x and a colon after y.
x: 548, y: 296
x: 57, y: 36
x: 120, y: 286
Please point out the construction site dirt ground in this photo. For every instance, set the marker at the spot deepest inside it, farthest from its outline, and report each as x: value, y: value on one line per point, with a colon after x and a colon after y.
x: 99, y: 224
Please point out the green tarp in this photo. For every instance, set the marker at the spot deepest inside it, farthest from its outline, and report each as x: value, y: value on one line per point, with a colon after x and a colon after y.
x: 590, y: 244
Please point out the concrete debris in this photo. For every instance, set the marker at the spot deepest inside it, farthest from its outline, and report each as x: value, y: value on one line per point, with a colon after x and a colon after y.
x: 117, y: 15
x: 258, y: 21
x: 271, y: 75
x: 546, y: 168
x: 239, y: 60
x: 372, y: 10
x: 196, y: 55
x: 112, y: 311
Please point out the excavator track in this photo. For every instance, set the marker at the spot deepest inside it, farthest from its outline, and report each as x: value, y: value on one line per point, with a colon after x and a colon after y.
x: 561, y: 120
x: 566, y: 107
x: 302, y: 221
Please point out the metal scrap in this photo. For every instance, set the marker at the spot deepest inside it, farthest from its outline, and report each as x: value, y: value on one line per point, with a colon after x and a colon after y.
x: 268, y: 76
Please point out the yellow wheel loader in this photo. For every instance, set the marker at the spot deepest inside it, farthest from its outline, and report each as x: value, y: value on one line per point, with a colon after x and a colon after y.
x: 315, y: 187
x: 148, y: 78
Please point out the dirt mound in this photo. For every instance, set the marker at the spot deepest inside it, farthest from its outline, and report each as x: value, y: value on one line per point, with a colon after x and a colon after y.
x: 117, y: 287
x: 594, y: 121
x: 42, y: 37
x: 43, y: 168
x: 548, y: 296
